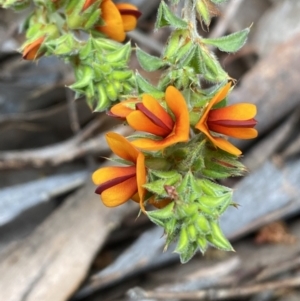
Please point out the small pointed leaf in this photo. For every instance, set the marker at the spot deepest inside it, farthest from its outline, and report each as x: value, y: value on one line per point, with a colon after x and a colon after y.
x: 165, y: 17
x: 148, y: 62
x: 230, y: 43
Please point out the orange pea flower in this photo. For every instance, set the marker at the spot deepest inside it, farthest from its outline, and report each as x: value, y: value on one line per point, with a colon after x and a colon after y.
x: 31, y: 51
x: 235, y: 121
x: 118, y: 184
x: 118, y: 18
x: 149, y: 116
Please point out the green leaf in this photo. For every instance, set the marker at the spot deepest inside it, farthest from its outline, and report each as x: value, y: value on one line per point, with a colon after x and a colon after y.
x: 145, y: 87
x: 165, y: 17
x: 149, y: 62
x: 230, y: 43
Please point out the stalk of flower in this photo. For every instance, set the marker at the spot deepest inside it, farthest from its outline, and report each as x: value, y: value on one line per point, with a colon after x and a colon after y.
x: 118, y: 184
x: 118, y: 19
x: 236, y: 121
x: 32, y: 50
x: 149, y: 116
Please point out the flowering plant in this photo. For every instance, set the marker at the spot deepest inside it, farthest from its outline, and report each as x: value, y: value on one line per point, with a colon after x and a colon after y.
x: 180, y: 147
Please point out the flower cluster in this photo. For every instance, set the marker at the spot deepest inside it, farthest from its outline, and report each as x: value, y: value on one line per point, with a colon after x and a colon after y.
x: 163, y: 124
x: 180, y: 146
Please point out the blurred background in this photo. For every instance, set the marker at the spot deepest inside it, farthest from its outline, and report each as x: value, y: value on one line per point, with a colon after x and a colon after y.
x: 58, y: 242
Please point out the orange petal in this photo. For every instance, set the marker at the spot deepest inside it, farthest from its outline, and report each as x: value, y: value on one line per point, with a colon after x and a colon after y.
x: 113, y: 27
x: 138, y: 121
x: 119, y: 194
x: 122, y: 147
x: 141, y: 178
x: 226, y: 146
x: 30, y: 51
x: 123, y: 108
x: 177, y: 105
x: 129, y: 22
x: 220, y: 95
x: 235, y: 132
x: 241, y: 111
x: 219, y: 142
x: 105, y: 174
x: 154, y: 107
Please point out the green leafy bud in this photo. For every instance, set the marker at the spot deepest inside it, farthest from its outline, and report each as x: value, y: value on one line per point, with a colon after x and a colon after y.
x: 183, y: 241
x: 217, y: 238
x: 63, y: 46
x: 120, y: 55
x: 84, y: 75
x: 215, y: 201
x: 174, y: 43
x: 230, y: 43
x: 121, y: 75
x: 211, y: 188
x: 87, y: 50
x: 103, y: 101
x: 160, y: 216
x: 101, y: 44
x: 112, y: 91
x: 202, y: 224
x: 189, y: 253
x: 203, y: 11
x: 158, y: 187
x: 165, y: 17
x: 91, y: 19
x: 202, y: 244
x: 192, y: 232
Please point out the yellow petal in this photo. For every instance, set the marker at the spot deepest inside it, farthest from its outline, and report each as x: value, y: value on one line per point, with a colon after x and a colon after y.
x: 122, y: 147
